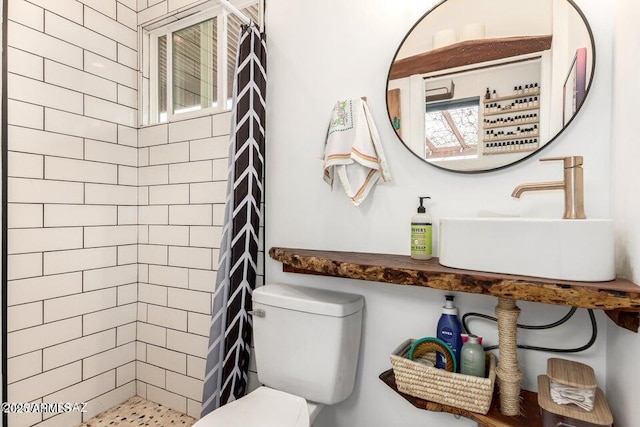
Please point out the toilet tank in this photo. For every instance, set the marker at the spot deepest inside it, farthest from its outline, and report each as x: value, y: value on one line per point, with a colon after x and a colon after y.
x: 307, y: 340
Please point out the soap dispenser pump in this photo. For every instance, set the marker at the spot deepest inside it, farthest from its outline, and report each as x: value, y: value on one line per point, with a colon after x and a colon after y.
x: 421, y: 233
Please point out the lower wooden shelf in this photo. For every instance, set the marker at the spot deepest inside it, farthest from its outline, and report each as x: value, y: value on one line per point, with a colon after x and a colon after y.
x: 530, y: 416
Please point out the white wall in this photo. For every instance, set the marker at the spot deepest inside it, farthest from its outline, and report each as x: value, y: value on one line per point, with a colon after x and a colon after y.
x: 182, y: 190
x: 113, y: 232
x: 623, y: 376
x: 183, y: 180
x: 72, y: 205
x: 347, y: 54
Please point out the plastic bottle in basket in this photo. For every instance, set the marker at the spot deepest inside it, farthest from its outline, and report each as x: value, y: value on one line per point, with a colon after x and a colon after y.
x: 449, y: 331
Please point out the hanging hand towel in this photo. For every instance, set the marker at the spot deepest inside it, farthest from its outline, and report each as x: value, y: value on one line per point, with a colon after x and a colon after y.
x: 353, y: 150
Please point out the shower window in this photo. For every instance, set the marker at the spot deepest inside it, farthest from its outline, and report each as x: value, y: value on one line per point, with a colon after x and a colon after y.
x: 192, y: 61
x: 194, y: 67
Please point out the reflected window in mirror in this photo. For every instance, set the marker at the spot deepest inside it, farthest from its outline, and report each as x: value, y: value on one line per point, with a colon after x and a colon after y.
x: 451, y: 129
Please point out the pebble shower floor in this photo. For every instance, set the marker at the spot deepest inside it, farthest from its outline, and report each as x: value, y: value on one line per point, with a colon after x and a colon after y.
x: 139, y: 412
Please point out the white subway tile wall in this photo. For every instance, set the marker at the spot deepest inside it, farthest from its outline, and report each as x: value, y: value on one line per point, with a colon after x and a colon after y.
x: 149, y: 10
x: 182, y: 186
x: 73, y: 290
x: 113, y: 230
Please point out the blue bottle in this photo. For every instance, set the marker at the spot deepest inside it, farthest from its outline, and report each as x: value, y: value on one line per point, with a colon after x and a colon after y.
x: 449, y: 331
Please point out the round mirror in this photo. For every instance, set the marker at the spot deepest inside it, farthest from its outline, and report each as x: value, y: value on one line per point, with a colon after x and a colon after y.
x: 477, y: 85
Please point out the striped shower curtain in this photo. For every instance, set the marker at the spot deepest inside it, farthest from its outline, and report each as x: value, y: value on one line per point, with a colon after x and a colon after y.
x: 228, y: 353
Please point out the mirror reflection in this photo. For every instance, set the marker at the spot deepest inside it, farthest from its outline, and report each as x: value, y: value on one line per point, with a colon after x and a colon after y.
x: 478, y: 85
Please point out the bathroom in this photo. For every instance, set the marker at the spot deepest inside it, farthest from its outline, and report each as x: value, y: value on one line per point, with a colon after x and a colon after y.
x: 154, y: 316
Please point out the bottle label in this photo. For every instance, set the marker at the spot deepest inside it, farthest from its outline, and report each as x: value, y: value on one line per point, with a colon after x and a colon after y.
x: 421, y: 238
x: 447, y: 335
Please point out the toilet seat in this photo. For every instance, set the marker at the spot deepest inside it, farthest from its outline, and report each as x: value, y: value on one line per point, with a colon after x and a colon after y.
x: 264, y: 407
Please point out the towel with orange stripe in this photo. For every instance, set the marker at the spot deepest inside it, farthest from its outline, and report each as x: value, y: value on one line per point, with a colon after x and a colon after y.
x: 353, y: 150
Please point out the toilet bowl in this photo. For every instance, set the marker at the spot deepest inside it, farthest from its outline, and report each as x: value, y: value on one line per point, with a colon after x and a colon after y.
x: 306, y: 342
x: 264, y: 407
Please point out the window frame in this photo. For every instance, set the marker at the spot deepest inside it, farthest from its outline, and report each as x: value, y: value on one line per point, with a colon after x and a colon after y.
x: 447, y: 105
x: 221, y: 15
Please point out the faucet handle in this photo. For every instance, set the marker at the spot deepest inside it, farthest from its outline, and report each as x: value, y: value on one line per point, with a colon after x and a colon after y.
x: 569, y: 161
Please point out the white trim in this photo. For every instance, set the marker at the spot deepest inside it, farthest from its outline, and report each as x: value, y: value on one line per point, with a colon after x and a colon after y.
x: 213, y: 10
x: 231, y: 8
x: 187, y: 116
x: 154, y: 110
x: 222, y: 62
x: 169, y: 78
x: 166, y: 26
x: 189, y: 21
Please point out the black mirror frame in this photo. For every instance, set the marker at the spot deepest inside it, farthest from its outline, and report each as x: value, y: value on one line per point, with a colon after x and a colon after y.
x: 588, y: 89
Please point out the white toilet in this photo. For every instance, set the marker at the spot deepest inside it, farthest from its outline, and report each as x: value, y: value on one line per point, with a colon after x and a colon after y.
x: 306, y: 346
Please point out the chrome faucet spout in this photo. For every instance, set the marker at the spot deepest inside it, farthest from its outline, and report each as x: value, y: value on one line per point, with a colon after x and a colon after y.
x: 572, y: 185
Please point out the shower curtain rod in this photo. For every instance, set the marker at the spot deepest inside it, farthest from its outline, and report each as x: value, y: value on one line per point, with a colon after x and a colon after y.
x: 231, y: 8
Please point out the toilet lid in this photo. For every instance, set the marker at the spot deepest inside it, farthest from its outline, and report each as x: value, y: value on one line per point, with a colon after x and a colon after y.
x: 264, y: 407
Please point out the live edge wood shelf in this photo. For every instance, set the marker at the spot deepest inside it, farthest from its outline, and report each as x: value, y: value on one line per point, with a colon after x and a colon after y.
x: 529, y: 417
x: 619, y: 298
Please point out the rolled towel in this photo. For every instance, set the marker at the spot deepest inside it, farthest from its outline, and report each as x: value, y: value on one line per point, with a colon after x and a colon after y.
x: 353, y: 150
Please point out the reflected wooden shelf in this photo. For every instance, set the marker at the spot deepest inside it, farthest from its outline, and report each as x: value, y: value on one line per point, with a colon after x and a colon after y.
x: 511, y: 111
x: 528, y: 122
x: 510, y: 97
x: 467, y: 53
x: 511, y: 138
x: 509, y: 152
x: 529, y: 417
x: 620, y: 298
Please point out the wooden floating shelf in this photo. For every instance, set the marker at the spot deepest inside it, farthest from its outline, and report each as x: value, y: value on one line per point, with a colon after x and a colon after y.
x: 529, y: 417
x: 511, y: 111
x: 510, y: 138
x: 530, y: 122
x: 509, y: 97
x: 620, y: 298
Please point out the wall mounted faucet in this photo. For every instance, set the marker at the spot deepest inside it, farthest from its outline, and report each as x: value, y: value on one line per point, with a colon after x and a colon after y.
x: 572, y: 185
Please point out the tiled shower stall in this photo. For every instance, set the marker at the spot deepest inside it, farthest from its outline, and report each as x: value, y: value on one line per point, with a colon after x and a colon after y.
x: 113, y: 229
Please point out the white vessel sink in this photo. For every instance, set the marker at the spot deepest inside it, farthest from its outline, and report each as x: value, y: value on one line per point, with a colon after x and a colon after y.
x: 564, y: 249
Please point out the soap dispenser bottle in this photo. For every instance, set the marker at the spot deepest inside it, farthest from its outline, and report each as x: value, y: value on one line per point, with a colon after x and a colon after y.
x: 421, y: 233
x: 449, y: 331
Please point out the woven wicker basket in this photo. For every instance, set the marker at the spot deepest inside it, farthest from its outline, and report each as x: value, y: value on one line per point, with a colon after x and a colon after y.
x: 437, y: 385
